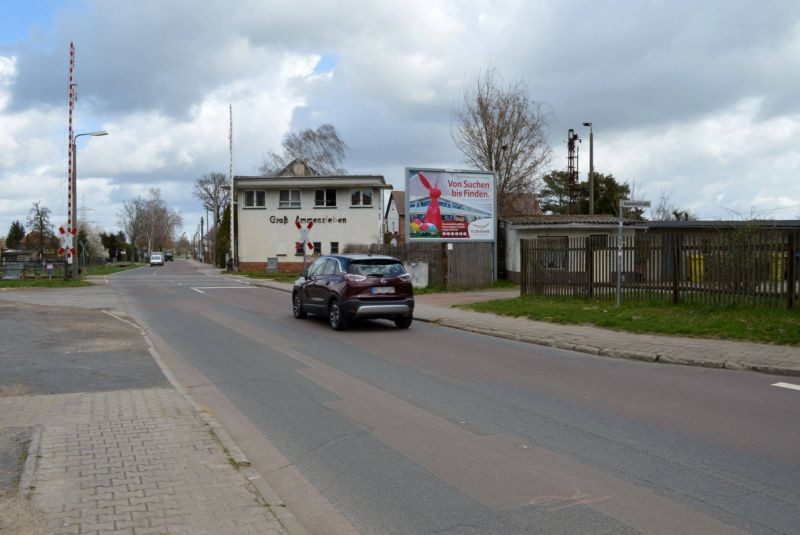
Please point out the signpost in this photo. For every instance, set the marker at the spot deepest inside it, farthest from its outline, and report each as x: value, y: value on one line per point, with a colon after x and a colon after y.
x: 303, y: 238
x: 624, y: 203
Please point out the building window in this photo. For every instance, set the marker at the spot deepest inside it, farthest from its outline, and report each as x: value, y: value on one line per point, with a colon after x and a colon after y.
x: 317, y: 247
x: 334, y: 247
x: 298, y: 248
x: 361, y: 197
x: 325, y: 197
x: 289, y: 198
x: 255, y: 199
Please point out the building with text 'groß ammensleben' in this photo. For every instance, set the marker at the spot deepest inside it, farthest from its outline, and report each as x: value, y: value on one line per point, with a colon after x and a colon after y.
x: 341, y: 210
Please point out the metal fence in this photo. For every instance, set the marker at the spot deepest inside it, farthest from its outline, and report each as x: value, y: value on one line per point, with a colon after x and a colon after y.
x: 738, y: 266
x: 30, y: 269
x: 465, y: 266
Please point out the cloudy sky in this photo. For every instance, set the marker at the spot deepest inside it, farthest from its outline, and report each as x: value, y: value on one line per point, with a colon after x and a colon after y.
x: 696, y: 99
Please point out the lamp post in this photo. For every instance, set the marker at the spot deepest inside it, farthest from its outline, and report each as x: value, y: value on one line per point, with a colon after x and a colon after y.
x: 591, y: 168
x: 74, y: 188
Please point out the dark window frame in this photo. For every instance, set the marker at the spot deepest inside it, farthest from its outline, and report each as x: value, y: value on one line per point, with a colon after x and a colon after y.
x: 289, y: 203
x: 326, y: 200
x: 357, y: 197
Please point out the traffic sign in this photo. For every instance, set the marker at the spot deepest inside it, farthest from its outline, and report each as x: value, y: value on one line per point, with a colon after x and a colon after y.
x: 625, y: 203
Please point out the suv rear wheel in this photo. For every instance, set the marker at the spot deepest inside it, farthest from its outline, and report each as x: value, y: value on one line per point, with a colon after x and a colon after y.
x: 336, y: 316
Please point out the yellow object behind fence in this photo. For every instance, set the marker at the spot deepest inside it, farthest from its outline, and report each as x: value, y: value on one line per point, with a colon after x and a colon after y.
x: 697, y: 267
x: 777, y: 267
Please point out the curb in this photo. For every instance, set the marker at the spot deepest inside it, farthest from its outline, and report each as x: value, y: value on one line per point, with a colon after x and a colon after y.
x: 26, y: 487
x: 643, y: 356
x: 267, y: 495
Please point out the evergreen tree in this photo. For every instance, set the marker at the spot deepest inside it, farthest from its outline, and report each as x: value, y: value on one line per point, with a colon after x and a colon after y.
x: 554, y: 195
x: 16, y: 233
x: 223, y: 241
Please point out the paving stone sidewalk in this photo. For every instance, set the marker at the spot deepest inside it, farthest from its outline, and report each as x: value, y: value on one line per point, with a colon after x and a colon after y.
x: 132, y: 461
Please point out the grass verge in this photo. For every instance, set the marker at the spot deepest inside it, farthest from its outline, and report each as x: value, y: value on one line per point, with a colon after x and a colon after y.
x: 277, y: 277
x: 43, y: 283
x: 757, y: 324
x: 110, y: 269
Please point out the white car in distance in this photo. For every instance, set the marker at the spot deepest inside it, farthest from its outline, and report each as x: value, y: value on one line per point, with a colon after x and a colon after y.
x: 156, y: 259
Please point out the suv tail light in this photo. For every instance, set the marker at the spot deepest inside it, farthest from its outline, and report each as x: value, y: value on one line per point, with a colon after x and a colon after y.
x: 355, y: 278
x: 405, y: 277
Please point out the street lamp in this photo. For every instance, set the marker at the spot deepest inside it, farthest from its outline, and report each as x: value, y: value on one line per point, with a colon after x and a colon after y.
x: 591, y: 168
x: 74, y: 188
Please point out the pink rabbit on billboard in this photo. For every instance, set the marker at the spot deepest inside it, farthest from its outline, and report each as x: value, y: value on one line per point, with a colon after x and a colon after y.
x: 450, y: 205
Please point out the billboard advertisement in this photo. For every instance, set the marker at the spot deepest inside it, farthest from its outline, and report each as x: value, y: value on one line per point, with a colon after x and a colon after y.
x: 444, y: 205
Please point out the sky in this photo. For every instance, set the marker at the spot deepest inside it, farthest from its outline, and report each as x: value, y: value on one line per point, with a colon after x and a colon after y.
x: 695, y: 101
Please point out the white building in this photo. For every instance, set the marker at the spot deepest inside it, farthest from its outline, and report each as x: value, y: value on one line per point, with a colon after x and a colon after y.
x: 341, y: 209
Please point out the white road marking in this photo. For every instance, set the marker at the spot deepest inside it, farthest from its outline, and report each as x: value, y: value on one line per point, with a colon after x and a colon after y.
x: 198, y: 288
x: 198, y: 291
x: 787, y: 385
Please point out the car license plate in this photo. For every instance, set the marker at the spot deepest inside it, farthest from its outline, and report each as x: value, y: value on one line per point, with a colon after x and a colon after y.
x: 383, y: 290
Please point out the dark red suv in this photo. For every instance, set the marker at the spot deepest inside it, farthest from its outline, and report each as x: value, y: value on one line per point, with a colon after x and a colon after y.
x: 348, y: 287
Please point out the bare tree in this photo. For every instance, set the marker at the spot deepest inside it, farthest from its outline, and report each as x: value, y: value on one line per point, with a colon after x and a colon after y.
x: 322, y: 149
x: 666, y: 211
x: 41, y: 230
x: 132, y: 221
x: 502, y: 129
x: 208, y: 189
x: 160, y: 224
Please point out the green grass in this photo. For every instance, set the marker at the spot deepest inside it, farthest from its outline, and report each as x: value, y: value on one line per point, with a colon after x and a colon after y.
x: 110, y: 269
x: 277, y: 277
x: 43, y: 283
x: 758, y: 324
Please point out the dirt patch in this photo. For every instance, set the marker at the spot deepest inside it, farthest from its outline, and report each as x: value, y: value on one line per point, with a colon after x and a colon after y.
x: 18, y: 389
x: 98, y: 345
x: 18, y: 516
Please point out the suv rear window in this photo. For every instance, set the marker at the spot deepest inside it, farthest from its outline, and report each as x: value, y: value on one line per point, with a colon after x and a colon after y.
x: 376, y: 268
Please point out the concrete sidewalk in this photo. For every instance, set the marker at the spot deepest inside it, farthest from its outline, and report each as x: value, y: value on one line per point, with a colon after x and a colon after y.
x: 111, y: 443
x: 439, y: 308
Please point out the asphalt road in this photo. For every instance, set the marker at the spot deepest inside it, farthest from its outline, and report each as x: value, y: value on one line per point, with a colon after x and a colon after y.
x: 433, y: 430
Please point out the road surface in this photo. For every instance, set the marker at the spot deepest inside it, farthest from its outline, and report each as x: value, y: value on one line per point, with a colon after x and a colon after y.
x: 435, y: 430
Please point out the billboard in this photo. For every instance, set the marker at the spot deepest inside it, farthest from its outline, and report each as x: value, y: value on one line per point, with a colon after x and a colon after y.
x: 445, y: 205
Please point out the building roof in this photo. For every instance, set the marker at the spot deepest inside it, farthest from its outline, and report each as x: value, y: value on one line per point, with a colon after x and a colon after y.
x: 520, y: 205
x: 720, y: 224
x: 284, y: 182
x: 577, y: 219
x: 298, y: 167
x: 399, y: 198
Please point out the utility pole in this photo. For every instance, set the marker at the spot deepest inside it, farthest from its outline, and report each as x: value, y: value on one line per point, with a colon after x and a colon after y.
x: 202, y: 245
x: 591, y: 168
x: 232, y: 201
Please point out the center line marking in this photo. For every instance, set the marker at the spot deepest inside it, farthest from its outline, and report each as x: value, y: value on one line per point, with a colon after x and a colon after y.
x: 198, y: 291
x: 787, y: 385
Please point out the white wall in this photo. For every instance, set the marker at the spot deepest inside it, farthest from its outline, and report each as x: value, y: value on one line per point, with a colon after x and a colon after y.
x: 270, y: 231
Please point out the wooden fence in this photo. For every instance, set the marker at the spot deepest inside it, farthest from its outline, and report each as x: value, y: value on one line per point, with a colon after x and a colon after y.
x: 739, y: 266
x: 465, y: 266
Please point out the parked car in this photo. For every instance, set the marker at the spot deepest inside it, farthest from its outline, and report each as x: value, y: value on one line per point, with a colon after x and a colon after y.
x: 156, y: 259
x: 350, y: 287
x: 168, y: 257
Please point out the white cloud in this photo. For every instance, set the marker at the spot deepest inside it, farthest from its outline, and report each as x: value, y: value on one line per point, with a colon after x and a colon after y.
x: 698, y: 99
